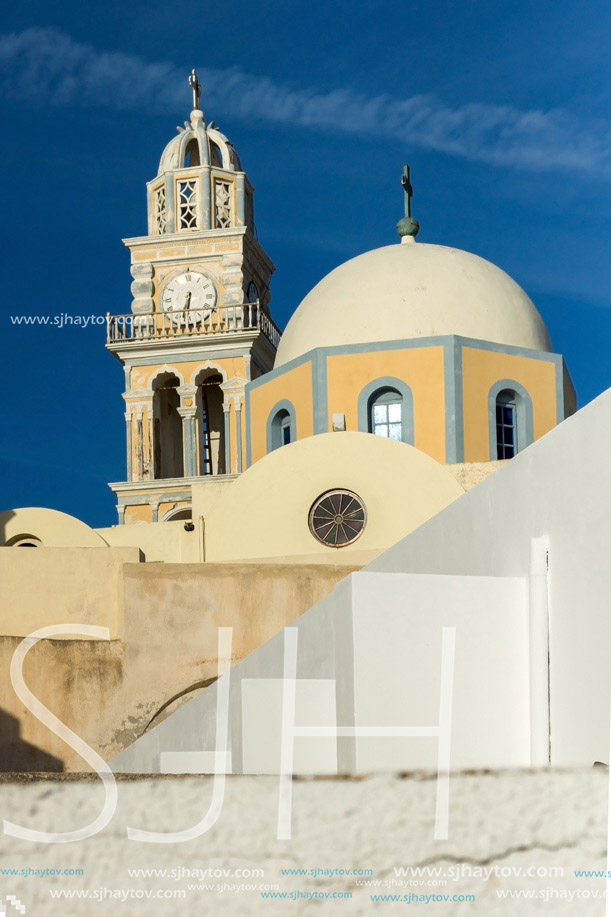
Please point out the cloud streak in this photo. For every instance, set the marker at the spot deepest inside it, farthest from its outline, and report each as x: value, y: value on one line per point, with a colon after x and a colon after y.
x: 45, y: 66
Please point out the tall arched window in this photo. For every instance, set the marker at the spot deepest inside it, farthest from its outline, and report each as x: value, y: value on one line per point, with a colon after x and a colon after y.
x: 386, y: 414
x: 167, y: 428
x: 385, y: 408
x: 510, y: 413
x: 281, y: 426
x: 506, y: 424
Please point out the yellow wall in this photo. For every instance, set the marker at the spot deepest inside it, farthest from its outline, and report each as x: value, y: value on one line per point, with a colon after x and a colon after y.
x: 401, y: 487
x: 294, y: 386
x: 481, y: 369
x: 45, y: 586
x: 140, y: 513
x: 421, y: 368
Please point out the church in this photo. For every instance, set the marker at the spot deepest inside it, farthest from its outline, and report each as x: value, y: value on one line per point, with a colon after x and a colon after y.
x: 277, y: 477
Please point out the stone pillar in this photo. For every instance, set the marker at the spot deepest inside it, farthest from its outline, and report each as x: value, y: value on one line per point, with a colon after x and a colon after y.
x: 238, y: 429
x: 207, y: 204
x: 170, y: 203
x: 148, y: 453
x: 188, y: 438
x: 227, y: 428
x: 121, y: 514
x: 140, y: 444
x: 240, y: 200
x: 155, y: 512
x: 128, y: 440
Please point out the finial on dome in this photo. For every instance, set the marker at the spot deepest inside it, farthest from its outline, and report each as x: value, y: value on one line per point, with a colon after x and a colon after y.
x: 195, y: 85
x: 407, y: 227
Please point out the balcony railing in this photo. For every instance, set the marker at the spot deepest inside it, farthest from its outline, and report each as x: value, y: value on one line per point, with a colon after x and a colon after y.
x: 197, y: 322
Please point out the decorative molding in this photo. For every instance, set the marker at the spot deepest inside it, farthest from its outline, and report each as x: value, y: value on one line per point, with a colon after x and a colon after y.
x: 165, y: 369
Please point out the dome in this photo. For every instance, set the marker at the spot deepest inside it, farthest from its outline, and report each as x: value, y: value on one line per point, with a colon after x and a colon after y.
x: 199, y: 144
x: 413, y: 290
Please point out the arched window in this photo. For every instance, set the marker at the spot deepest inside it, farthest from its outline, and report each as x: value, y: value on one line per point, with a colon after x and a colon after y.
x: 510, y: 412
x: 167, y: 428
x: 281, y: 426
x: 281, y: 429
x: 506, y: 424
x: 215, y: 155
x: 192, y: 157
x: 385, y: 408
x: 386, y: 414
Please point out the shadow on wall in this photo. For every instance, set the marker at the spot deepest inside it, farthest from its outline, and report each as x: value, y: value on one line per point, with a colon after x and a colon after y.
x: 4, y: 518
x: 17, y: 755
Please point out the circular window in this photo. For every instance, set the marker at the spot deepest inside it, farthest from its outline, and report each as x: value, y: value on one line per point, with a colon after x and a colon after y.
x: 337, y: 518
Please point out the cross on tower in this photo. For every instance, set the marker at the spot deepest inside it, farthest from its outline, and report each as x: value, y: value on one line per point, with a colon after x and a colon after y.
x: 197, y: 90
x: 407, y: 187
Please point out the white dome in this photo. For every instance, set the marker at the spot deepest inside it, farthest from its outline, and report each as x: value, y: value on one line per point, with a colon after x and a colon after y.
x: 413, y: 290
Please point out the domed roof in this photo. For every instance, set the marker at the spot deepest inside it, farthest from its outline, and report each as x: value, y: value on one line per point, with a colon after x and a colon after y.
x: 198, y: 143
x: 409, y: 291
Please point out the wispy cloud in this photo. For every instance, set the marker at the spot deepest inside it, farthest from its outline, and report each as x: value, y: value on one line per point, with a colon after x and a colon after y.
x: 43, y: 65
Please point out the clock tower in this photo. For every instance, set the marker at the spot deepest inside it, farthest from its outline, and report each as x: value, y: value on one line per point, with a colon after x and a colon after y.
x: 199, y: 327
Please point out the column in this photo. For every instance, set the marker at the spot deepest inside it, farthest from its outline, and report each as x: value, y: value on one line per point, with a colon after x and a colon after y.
x: 188, y: 438
x: 238, y: 429
x: 227, y: 429
x: 140, y: 444
x: 128, y: 439
x: 240, y: 200
x: 207, y: 204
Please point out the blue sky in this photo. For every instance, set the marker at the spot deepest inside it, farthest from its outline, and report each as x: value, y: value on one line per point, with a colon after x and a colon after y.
x: 501, y: 109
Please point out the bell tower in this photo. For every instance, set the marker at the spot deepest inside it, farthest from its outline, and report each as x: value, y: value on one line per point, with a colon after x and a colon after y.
x: 199, y: 327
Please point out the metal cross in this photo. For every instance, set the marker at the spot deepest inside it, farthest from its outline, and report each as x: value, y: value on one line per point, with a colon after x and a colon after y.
x: 197, y: 89
x: 407, y: 187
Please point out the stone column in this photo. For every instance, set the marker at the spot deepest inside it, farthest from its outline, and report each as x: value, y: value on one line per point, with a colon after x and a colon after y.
x: 207, y: 204
x: 240, y: 199
x: 238, y: 428
x: 188, y: 415
x: 128, y: 439
x: 148, y: 451
x: 227, y: 428
x: 140, y: 443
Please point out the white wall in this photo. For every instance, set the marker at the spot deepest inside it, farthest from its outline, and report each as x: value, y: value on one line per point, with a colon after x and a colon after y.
x: 372, y: 652
x: 560, y: 487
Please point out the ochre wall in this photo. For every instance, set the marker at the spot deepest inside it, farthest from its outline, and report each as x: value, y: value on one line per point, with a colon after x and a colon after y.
x: 108, y: 692
x: 295, y: 386
x: 481, y: 369
x: 421, y: 368
x: 44, y: 586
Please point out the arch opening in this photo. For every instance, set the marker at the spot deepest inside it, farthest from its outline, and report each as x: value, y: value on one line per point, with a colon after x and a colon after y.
x: 168, y: 452
x: 211, y: 425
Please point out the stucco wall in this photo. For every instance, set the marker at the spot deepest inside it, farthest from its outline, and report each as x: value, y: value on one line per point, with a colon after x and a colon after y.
x: 43, y: 586
x: 510, y: 833
x: 265, y: 512
x: 558, y: 488
x: 109, y: 692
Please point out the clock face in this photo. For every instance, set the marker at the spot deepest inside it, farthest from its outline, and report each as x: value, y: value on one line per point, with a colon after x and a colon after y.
x: 189, y: 290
